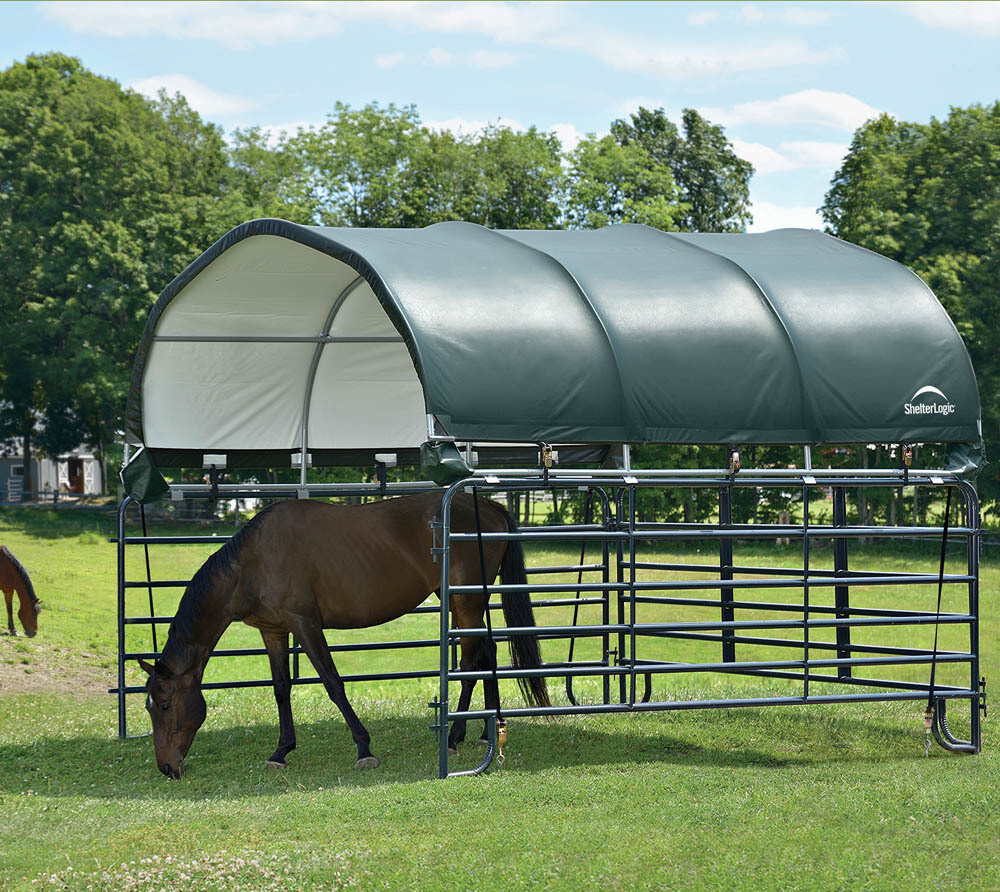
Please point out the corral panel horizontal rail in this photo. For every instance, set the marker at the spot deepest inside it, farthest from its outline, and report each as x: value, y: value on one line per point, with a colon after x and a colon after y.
x: 627, y: 622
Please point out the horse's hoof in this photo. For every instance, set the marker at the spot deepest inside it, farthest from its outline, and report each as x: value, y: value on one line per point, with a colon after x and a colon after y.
x: 367, y: 762
x: 482, y: 741
x: 453, y: 750
x: 273, y: 763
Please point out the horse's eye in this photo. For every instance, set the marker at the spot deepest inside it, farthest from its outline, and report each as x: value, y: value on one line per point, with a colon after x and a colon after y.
x: 164, y: 707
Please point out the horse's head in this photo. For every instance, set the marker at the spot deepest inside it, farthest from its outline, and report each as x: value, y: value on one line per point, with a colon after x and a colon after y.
x: 28, y: 615
x: 177, y: 709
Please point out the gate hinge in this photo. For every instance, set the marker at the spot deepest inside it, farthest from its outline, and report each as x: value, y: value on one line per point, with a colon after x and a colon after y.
x: 436, y: 706
x: 435, y: 548
x: 982, y: 695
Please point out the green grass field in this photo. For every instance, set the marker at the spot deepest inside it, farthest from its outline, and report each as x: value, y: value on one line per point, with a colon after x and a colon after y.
x: 811, y: 798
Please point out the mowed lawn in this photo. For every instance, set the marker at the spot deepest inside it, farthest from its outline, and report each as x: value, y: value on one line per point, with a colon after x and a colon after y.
x: 812, y: 798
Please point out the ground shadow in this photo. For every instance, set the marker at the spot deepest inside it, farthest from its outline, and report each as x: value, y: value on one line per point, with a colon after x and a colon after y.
x: 41, y: 522
x: 229, y: 762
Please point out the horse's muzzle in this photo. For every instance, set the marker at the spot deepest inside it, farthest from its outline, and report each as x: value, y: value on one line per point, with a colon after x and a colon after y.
x: 31, y: 633
x: 174, y: 773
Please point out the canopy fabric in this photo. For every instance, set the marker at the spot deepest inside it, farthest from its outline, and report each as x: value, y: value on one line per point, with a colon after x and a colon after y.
x: 287, y: 338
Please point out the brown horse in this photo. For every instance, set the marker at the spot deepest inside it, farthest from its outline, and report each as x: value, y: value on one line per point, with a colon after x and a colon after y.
x: 300, y: 567
x: 14, y: 578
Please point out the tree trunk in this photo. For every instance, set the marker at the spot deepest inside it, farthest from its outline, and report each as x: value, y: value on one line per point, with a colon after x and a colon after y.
x: 101, y: 467
x: 29, y: 477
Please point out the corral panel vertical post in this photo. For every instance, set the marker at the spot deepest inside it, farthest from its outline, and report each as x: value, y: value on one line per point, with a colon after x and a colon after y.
x: 805, y: 591
x: 444, y: 664
x: 122, y: 729
x: 726, y: 572
x: 631, y: 592
x: 973, y: 546
x: 841, y: 593
x: 620, y: 599
x: 606, y: 597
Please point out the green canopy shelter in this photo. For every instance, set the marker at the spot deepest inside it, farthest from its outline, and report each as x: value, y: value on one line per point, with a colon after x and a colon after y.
x: 284, y: 340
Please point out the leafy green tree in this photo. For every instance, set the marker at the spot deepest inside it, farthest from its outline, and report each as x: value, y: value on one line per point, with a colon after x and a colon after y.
x: 267, y: 176
x: 611, y: 183
x: 104, y: 197
x: 713, y: 182
x: 520, y: 178
x: 356, y: 165
x: 928, y: 195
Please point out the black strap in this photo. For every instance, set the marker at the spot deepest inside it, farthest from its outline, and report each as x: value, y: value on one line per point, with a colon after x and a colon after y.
x: 149, y: 577
x: 588, y: 516
x: 937, y: 621
x: 486, y: 599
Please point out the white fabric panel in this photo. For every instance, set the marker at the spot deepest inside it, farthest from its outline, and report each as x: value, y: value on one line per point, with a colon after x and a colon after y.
x: 361, y: 315
x: 366, y: 395
x: 262, y: 285
x: 225, y: 396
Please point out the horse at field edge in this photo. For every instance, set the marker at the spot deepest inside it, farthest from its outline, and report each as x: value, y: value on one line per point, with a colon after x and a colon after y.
x: 14, y: 578
x: 301, y: 567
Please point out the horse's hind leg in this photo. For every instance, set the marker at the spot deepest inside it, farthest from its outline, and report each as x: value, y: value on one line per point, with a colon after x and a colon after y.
x: 314, y: 644
x: 277, y: 652
x: 9, y: 598
x: 470, y: 647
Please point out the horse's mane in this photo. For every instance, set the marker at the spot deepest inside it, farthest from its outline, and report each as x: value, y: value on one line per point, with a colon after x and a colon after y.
x: 221, y: 564
x: 19, y: 567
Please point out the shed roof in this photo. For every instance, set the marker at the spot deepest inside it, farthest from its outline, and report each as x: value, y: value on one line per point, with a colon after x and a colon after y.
x: 281, y: 335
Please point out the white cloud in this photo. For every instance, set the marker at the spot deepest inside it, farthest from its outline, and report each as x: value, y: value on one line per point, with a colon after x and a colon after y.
x: 822, y: 107
x: 768, y: 216
x: 677, y: 62
x: 797, y: 15
x: 815, y: 154
x: 703, y: 18
x: 791, y: 155
x: 753, y: 13
x: 202, y: 99
x: 241, y: 25
x: 568, y: 135
x: 439, y: 57
x: 391, y: 60
x: 763, y: 158
x: 981, y: 19
x: 235, y: 25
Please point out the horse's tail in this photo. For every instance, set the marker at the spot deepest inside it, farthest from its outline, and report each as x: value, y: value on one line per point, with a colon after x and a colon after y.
x: 29, y: 589
x: 524, y: 652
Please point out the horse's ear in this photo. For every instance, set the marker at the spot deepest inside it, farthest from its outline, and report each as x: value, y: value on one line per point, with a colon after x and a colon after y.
x: 149, y: 670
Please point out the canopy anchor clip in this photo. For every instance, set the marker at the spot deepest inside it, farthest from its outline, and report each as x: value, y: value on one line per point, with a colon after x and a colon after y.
x: 906, y: 453
x: 734, y: 463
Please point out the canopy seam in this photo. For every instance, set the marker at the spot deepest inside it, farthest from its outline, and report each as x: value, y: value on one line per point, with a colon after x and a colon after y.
x: 628, y: 423
x: 807, y: 414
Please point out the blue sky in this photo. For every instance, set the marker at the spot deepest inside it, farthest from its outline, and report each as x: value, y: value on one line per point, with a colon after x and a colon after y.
x: 789, y: 82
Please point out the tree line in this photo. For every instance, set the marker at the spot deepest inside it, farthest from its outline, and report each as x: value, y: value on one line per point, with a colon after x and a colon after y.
x: 106, y: 194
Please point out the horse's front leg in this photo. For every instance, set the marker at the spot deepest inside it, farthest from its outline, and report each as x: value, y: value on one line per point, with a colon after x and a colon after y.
x: 314, y: 644
x: 9, y: 597
x: 277, y: 652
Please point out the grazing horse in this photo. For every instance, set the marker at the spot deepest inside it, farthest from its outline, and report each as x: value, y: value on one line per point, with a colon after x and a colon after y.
x: 300, y: 567
x: 14, y: 578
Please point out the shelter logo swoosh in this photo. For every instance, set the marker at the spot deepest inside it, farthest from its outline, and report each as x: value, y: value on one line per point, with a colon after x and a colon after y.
x: 934, y: 402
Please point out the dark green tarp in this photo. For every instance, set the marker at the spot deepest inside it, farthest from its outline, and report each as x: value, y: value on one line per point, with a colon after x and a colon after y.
x: 624, y: 334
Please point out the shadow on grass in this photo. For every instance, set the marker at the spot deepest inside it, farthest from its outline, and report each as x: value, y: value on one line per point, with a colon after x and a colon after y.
x: 229, y: 762
x: 51, y: 523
